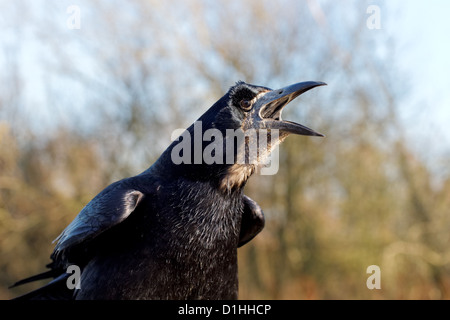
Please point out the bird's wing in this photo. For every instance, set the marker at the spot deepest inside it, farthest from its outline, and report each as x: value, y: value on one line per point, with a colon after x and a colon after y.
x: 252, y: 221
x: 110, y: 207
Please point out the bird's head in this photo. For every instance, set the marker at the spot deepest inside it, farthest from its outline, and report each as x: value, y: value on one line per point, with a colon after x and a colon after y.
x: 239, y: 132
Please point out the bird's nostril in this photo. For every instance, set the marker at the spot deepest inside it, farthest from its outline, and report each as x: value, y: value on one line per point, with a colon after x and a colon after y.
x: 280, y: 92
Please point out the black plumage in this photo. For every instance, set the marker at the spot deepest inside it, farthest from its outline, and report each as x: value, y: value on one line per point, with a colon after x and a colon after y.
x: 172, y: 232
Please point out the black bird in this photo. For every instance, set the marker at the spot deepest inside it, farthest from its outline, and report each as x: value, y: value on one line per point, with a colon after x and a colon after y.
x: 172, y: 232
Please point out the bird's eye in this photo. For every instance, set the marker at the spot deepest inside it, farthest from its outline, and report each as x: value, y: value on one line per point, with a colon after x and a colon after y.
x: 245, y: 105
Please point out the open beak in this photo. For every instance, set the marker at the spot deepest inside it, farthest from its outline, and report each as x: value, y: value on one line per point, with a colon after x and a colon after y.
x: 270, y: 105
